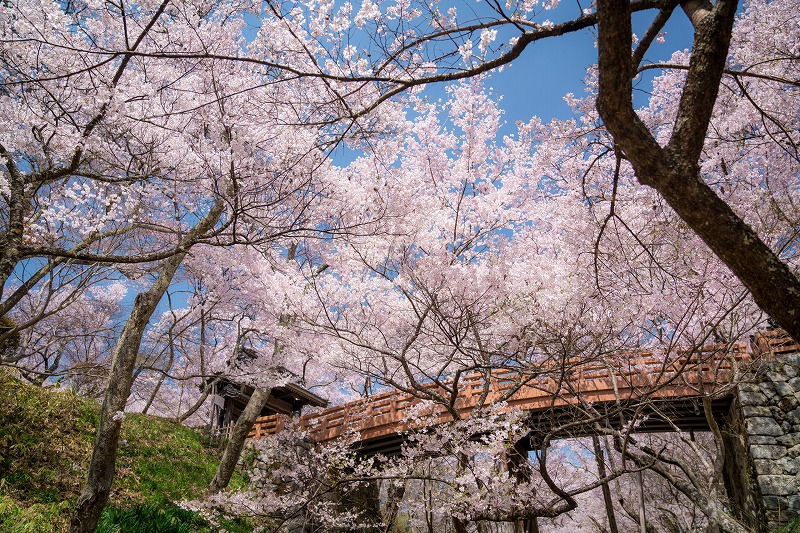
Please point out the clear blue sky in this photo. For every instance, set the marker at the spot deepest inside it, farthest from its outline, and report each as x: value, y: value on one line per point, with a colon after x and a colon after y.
x: 536, y: 83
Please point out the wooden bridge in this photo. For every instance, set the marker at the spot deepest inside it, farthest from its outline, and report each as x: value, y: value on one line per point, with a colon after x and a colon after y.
x: 669, y: 392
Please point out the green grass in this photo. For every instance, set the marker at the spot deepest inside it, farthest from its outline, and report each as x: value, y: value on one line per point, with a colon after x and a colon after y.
x: 24, y: 517
x: 793, y: 526
x: 161, y: 460
x: 46, y: 441
x: 161, y: 518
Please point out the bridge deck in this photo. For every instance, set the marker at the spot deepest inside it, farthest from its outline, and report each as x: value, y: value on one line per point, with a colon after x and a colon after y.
x: 675, y: 386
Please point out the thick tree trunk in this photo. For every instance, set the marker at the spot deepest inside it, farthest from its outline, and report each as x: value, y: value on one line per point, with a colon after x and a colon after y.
x: 394, y: 495
x: 236, y: 443
x: 696, y: 10
x: 11, y: 240
x: 674, y: 170
x: 104, y: 455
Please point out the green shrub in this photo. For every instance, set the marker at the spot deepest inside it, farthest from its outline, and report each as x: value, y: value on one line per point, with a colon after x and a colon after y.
x: 151, y: 518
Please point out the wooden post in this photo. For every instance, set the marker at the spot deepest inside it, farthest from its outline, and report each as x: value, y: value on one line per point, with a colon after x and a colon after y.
x: 517, y: 459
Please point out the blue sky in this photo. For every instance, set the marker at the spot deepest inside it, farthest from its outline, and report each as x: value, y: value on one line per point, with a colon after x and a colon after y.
x: 536, y: 83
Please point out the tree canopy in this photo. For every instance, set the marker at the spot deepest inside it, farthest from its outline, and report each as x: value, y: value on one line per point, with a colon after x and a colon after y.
x: 171, y: 192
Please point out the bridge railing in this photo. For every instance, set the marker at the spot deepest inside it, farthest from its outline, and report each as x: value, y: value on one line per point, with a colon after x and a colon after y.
x: 622, y: 376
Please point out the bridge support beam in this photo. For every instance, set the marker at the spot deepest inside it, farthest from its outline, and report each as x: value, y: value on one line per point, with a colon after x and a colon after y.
x: 366, y: 499
x: 517, y: 464
x: 763, y: 448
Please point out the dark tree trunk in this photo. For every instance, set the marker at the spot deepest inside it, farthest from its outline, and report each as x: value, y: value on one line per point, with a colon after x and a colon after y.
x: 674, y: 170
x: 394, y: 496
x: 459, y: 526
x: 241, y: 429
x: 104, y: 455
x: 601, y: 470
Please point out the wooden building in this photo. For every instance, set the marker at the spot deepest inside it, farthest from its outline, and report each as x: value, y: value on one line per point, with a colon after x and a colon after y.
x: 230, y: 399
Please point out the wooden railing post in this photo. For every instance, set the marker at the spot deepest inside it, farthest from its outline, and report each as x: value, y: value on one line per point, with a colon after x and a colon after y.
x: 625, y: 376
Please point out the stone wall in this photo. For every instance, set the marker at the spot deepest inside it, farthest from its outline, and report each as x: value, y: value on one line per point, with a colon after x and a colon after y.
x: 769, y: 408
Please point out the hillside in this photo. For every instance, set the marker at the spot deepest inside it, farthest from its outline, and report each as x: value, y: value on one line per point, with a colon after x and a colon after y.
x: 45, y: 446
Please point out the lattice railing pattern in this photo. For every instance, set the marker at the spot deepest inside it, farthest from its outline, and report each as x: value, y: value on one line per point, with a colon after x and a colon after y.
x: 640, y: 376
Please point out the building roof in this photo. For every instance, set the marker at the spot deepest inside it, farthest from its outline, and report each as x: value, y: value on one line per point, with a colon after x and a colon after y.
x: 284, y: 399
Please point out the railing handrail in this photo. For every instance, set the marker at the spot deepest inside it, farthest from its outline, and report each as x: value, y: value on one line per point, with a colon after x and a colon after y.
x: 638, y: 374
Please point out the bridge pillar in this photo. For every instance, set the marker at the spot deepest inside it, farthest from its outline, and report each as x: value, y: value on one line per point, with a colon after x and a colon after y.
x: 517, y: 464
x: 763, y: 450
x: 366, y: 499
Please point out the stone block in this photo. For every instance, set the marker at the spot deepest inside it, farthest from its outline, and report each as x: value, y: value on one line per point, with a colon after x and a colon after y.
x: 789, y: 440
x: 761, y: 439
x: 788, y: 464
x: 795, y: 384
x: 767, y: 452
x: 777, y: 376
x: 778, y: 519
x: 775, y: 518
x: 768, y: 389
x: 794, y: 451
x: 772, y: 502
x: 769, y: 467
x: 784, y: 389
x: 789, y: 403
x: 752, y: 397
x: 778, y: 485
x: 756, y: 410
x: 793, y: 503
x: 792, y: 359
x: 763, y: 425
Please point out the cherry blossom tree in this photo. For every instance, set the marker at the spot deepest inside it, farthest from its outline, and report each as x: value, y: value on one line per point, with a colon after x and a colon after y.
x: 136, y: 138
x: 72, y: 343
x: 512, y: 269
x: 120, y: 155
x: 373, y: 52
x: 294, y: 482
x: 546, y: 249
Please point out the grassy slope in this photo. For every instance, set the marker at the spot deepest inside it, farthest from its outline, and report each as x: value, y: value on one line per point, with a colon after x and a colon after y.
x: 45, y: 446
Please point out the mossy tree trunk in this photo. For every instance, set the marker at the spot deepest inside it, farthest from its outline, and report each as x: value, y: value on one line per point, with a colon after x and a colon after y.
x: 241, y: 429
x: 102, y: 467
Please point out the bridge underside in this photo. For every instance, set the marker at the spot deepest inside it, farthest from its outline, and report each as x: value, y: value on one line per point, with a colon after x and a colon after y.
x: 562, y: 422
